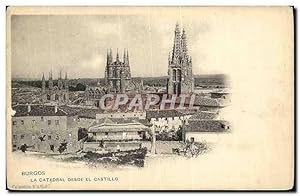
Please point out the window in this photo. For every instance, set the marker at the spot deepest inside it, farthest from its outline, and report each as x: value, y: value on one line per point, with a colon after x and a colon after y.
x: 15, y: 146
x: 106, y: 133
x: 49, y: 122
x: 22, y: 122
x: 15, y: 137
x: 56, y: 122
x: 22, y: 136
x: 42, y: 118
x: 94, y: 134
x: 49, y: 137
x: 192, y: 139
x: 14, y: 122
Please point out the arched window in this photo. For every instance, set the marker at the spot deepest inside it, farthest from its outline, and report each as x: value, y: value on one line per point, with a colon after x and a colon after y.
x: 48, y: 97
x: 174, y: 75
x: 56, y: 97
x: 178, y: 75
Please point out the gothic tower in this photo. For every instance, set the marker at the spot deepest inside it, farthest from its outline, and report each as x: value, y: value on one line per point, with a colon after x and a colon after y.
x: 181, y: 80
x: 117, y: 73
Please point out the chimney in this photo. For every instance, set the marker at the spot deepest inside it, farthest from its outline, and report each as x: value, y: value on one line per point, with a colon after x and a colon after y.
x: 55, y: 108
x: 28, y: 108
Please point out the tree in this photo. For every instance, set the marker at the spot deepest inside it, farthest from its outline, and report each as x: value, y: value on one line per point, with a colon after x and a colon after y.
x: 179, y: 133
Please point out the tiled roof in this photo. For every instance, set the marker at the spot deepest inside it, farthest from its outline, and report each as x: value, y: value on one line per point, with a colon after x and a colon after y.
x: 207, y: 126
x: 81, y: 112
x: 38, y: 110
x: 204, y: 115
x: 162, y: 113
x: 114, y: 124
x: 204, y: 101
x: 121, y: 121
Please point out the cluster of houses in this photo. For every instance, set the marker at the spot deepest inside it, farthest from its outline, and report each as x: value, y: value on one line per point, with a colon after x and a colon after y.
x: 53, y: 128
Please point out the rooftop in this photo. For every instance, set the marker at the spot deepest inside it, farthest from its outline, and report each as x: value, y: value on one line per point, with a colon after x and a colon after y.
x: 162, y: 113
x: 204, y: 115
x: 37, y: 110
x: 207, y: 126
x: 108, y: 124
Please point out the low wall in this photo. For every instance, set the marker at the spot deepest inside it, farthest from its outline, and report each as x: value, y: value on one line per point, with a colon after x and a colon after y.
x: 110, y: 146
x: 162, y: 147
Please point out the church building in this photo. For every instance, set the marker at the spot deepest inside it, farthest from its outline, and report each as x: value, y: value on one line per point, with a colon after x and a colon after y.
x: 117, y: 73
x: 180, y: 80
x: 55, y: 94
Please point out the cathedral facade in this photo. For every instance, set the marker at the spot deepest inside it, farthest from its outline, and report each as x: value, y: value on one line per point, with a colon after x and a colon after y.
x: 117, y: 73
x: 180, y: 80
x: 58, y: 94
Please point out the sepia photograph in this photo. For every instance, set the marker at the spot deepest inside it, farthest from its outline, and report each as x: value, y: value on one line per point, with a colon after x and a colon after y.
x: 150, y: 98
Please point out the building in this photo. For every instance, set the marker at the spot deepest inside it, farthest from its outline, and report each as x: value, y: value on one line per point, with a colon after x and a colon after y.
x: 55, y: 94
x: 116, y: 114
x: 117, y: 73
x: 206, y: 129
x: 43, y: 128
x: 113, y: 134
x: 93, y: 94
x: 180, y: 75
x: 166, y: 120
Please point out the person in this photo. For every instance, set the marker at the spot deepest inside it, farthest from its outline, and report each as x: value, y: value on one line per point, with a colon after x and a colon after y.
x: 23, y: 148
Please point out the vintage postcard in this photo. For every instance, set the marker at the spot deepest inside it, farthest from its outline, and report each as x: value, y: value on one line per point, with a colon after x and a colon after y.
x: 150, y: 98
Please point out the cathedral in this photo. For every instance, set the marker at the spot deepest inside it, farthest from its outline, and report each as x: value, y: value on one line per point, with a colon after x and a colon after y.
x: 55, y: 94
x: 117, y: 73
x: 180, y: 80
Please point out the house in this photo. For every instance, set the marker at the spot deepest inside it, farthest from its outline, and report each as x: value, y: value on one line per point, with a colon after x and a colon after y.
x: 166, y: 119
x: 211, y: 131
x: 112, y: 134
x: 43, y: 128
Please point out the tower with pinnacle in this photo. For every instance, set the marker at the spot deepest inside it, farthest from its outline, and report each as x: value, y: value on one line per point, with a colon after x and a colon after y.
x: 180, y: 74
x: 55, y: 94
x: 117, y: 73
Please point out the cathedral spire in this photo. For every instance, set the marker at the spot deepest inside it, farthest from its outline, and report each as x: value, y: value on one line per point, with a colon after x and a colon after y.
x: 124, y: 58
x: 66, y: 84
x: 50, y: 80
x: 50, y: 75
x: 107, y: 56
x: 117, y: 57
x: 60, y: 74
x: 110, y: 54
x: 184, y: 44
x: 127, y: 57
x: 43, y: 82
x: 177, y: 43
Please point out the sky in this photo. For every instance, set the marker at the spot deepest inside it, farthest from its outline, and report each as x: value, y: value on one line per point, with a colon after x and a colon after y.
x: 78, y: 44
